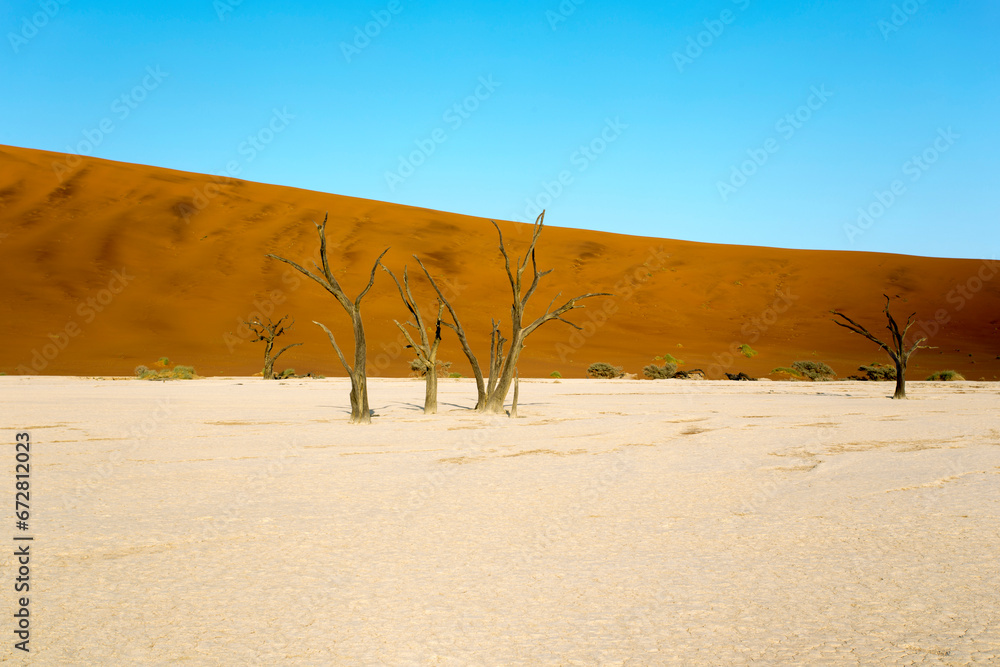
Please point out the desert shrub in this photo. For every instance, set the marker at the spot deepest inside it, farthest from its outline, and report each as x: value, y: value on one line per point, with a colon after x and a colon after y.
x: 664, y: 372
x: 879, y: 372
x: 669, y: 359
x: 287, y: 373
x: 162, y: 362
x: 740, y: 377
x: 603, y: 370
x: 946, y: 376
x: 555, y: 374
x: 747, y: 351
x: 140, y: 370
x: 788, y: 371
x: 454, y: 375
x: 183, y: 372
x: 814, y: 370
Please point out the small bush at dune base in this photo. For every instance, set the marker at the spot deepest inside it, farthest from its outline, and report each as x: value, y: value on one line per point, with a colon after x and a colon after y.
x: 176, y: 373
x: 945, y: 376
x: 814, y: 370
x: 785, y: 370
x: 747, y: 351
x: 878, y: 372
x: 555, y: 374
x: 603, y: 370
x: 287, y: 373
x: 664, y: 372
x: 454, y: 375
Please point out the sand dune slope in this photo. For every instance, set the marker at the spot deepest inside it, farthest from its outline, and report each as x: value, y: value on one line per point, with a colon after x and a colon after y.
x: 116, y: 264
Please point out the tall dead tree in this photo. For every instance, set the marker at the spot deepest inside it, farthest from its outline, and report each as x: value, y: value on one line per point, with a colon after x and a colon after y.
x: 267, y: 333
x: 504, y: 365
x: 360, y: 413
x: 897, y: 350
x: 426, y: 350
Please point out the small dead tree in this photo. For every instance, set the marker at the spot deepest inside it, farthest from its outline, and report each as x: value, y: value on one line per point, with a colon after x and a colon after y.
x: 504, y: 365
x: 897, y: 351
x: 426, y: 350
x: 267, y: 333
x: 360, y: 413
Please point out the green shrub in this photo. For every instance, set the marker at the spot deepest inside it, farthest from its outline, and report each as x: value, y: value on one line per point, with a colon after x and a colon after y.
x: 747, y: 351
x: 879, y: 372
x: 555, y: 374
x: 287, y: 373
x: 789, y: 371
x: 946, y: 376
x: 603, y: 370
x: 162, y: 362
x: 140, y: 371
x: 183, y: 372
x: 664, y: 372
x: 814, y: 370
x: 669, y: 359
x: 454, y: 375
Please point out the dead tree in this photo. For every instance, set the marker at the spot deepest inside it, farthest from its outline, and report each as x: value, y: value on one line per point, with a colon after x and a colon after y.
x: 456, y: 326
x: 503, y: 365
x: 360, y: 413
x: 426, y: 350
x: 267, y: 333
x: 897, y: 351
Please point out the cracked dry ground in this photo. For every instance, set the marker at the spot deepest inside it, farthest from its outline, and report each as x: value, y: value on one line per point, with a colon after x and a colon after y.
x: 234, y: 521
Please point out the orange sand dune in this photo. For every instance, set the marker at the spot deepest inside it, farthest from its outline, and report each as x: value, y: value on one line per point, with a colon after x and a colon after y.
x: 118, y: 264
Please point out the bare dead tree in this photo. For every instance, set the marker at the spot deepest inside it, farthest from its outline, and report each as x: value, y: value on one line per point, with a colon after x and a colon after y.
x: 360, y: 413
x: 456, y: 326
x: 897, y: 351
x: 521, y: 296
x: 267, y: 333
x: 426, y: 350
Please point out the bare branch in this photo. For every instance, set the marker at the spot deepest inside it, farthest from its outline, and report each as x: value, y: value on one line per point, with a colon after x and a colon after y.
x: 336, y: 347
x: 371, y: 280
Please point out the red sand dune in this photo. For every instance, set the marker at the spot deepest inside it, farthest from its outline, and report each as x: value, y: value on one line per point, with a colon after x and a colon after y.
x: 119, y: 264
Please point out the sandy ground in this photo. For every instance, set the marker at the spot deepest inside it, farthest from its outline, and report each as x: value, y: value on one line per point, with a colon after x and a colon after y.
x: 233, y: 521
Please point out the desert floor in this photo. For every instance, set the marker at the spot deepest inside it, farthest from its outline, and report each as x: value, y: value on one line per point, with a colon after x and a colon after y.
x: 237, y: 521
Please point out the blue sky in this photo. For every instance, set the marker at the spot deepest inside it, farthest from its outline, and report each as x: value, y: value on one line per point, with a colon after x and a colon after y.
x: 836, y: 125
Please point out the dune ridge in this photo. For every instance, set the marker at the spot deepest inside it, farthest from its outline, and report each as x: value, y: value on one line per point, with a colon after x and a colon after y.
x: 109, y: 265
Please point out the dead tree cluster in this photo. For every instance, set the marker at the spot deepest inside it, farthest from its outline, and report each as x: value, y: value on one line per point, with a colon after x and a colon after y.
x: 501, y: 372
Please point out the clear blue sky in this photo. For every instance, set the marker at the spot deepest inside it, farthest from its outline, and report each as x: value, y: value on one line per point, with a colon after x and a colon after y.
x: 671, y: 126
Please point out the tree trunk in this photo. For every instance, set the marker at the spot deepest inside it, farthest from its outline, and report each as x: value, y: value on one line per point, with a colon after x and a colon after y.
x: 900, y: 379
x: 360, y: 414
x: 513, y: 403
x: 268, y: 372
x: 431, y: 393
x: 494, y: 402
